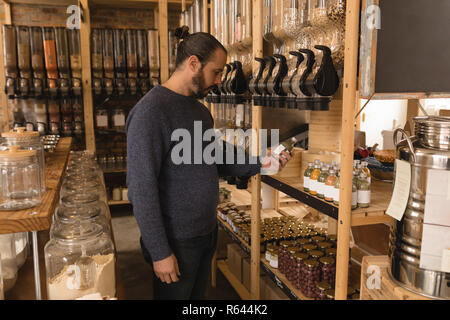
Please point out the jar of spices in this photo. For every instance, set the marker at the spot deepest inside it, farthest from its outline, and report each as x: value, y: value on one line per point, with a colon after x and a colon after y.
x: 316, y: 254
x: 291, y: 263
x: 313, y: 185
x: 310, y: 276
x: 321, y: 287
x: 300, y: 257
x: 274, y: 259
x: 328, y: 269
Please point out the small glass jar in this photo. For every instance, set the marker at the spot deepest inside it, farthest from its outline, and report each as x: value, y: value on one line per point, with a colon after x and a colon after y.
x: 328, y: 269
x: 8, y: 261
x: 274, y: 259
x: 80, y: 261
x: 21, y: 180
x: 283, y: 256
x: 92, y: 186
x: 85, y: 199
x: 300, y: 257
x: 268, y: 253
x: 321, y: 288
x: 291, y: 263
x: 311, y: 275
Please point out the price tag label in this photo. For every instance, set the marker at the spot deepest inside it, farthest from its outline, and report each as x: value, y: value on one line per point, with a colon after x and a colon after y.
x: 400, y: 195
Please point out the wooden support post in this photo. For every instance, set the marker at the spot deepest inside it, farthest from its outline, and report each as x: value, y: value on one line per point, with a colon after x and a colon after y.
x: 205, y: 16
x: 88, y: 102
x: 183, y: 9
x: 163, y: 40
x: 4, y: 99
x: 348, y: 113
x: 256, y: 180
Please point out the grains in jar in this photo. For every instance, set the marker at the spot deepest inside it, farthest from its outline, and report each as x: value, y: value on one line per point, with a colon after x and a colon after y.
x: 310, y: 275
x: 291, y: 263
x: 328, y: 269
x: 300, y: 257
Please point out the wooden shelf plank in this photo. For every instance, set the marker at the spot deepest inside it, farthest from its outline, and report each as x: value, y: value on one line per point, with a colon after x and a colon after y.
x: 376, y: 213
x: 119, y: 202
x: 235, y: 283
x: 114, y: 170
x: 39, y: 217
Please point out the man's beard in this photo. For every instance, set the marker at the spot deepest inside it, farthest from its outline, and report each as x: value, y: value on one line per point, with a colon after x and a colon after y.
x: 198, y: 81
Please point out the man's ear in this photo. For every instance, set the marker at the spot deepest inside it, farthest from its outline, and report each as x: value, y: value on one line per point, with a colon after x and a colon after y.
x: 194, y: 64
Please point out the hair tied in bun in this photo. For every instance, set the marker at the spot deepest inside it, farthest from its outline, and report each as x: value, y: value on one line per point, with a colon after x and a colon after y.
x: 182, y: 32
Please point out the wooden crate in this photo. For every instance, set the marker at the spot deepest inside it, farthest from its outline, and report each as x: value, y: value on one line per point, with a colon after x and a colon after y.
x: 389, y: 289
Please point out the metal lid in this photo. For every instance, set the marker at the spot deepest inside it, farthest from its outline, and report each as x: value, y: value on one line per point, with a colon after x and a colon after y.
x: 324, y: 245
x: 331, y: 252
x: 293, y: 250
x: 316, y: 254
x: 311, y: 263
x: 323, y: 286
x: 318, y: 238
x: 327, y: 260
x: 309, y: 247
x: 299, y: 256
x: 20, y: 132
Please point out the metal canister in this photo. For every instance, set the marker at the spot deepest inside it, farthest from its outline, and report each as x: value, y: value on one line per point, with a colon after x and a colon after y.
x: 428, y: 150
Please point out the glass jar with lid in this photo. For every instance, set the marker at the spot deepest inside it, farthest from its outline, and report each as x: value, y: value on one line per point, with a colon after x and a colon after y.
x: 321, y: 288
x: 283, y: 255
x: 316, y: 254
x: 9, y: 261
x: 328, y: 269
x: 274, y: 259
x: 300, y: 257
x: 333, y: 239
x: 28, y: 140
x: 292, y: 262
x: 67, y: 214
x: 310, y: 276
x: 20, y: 175
x: 323, y: 245
x: 80, y: 189
x: 21, y: 243
x: 309, y: 247
x: 79, y: 261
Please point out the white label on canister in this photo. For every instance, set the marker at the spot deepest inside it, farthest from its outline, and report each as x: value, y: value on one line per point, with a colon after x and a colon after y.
x: 336, y: 194
x: 364, y: 196
x: 354, y: 198
x: 400, y: 194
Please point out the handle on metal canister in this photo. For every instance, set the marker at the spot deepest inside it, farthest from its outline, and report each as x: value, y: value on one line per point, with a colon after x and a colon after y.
x: 408, y: 140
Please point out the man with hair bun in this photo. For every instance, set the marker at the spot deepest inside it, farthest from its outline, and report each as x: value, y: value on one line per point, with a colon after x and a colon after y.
x: 175, y: 204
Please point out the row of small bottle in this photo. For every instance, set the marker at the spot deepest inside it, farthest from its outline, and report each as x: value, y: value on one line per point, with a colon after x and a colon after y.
x: 323, y: 180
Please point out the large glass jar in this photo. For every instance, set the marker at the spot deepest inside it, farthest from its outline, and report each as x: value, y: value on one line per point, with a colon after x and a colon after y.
x: 20, y: 176
x: 321, y: 288
x: 23, y: 51
x: 62, y: 50
x: 68, y: 214
x: 37, y: 52
x: 75, y: 52
x: 28, y: 140
x: 292, y: 18
x: 50, y: 53
x: 300, y: 257
x: 97, y: 53
x: 142, y: 47
x: 80, y: 261
x: 131, y: 41
x: 21, y: 243
x: 8, y: 261
x: 10, y: 51
x: 311, y: 275
x: 89, y: 185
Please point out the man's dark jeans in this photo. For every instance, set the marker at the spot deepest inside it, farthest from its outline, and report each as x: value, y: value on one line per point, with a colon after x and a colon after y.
x: 194, y: 261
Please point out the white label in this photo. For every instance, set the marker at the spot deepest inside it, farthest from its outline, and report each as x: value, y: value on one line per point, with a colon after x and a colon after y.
x: 445, y: 263
x: 400, y: 194
x: 363, y: 196
x: 328, y: 191
x: 355, y: 198
x: 312, y: 185
x: 278, y: 150
x: 320, y: 187
x: 336, y: 194
x: 437, y: 199
x: 435, y: 244
x: 102, y: 121
x: 306, y: 182
x: 119, y: 120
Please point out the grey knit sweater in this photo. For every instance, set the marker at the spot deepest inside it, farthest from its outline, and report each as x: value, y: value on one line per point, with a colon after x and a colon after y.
x: 171, y: 200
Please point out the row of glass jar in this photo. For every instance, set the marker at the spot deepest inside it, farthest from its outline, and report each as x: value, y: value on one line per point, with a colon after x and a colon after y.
x: 116, y: 160
x: 22, y: 168
x: 13, y: 254
x: 79, y: 257
x: 323, y: 180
